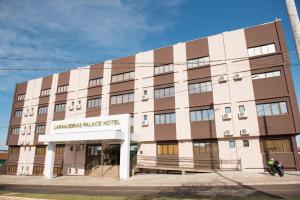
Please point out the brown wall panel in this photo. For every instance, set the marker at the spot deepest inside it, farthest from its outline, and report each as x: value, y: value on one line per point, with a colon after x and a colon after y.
x: 122, y: 65
x: 168, y: 160
x: 287, y: 159
x: 198, y: 73
x: 12, y: 139
x: 61, y: 97
x: 41, y: 118
x: 47, y: 82
x: 163, y: 56
x: 201, y: 99
x: 94, y: 91
x: 121, y: 108
x: 63, y: 78
x: 59, y: 116
x: 122, y: 86
x: 44, y: 100
x: 93, y: 112
x: 164, y: 79
x: 166, y: 103
x: 165, y: 132
x: 39, y: 159
x: 96, y: 71
x: 197, y: 48
x: 203, y: 130
x: 206, y: 161
x: 265, y: 61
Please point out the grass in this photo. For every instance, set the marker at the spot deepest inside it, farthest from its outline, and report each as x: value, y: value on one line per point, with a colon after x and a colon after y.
x: 86, y: 197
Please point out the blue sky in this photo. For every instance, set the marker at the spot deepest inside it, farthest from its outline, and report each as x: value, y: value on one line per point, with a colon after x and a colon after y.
x: 74, y: 33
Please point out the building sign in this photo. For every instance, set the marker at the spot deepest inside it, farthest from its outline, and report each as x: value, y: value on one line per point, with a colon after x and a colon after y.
x: 92, y: 124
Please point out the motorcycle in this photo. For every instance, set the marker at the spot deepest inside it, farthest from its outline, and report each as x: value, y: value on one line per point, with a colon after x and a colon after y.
x: 274, y: 166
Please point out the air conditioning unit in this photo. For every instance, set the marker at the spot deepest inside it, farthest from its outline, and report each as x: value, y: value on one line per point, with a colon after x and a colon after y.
x: 222, y: 78
x: 227, y: 133
x: 237, y: 77
x: 80, y: 147
x: 71, y: 107
x: 145, y: 123
x: 28, y: 132
x: 31, y: 112
x: 27, y: 142
x: 226, y: 116
x: 244, y: 132
x: 26, y: 114
x: 24, y: 132
x: 242, y: 115
x: 145, y: 97
x: 78, y: 107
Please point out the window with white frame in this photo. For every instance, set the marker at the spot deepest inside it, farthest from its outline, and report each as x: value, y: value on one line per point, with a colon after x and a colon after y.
x: 261, y: 50
x: 123, y: 98
x: 202, y: 115
x: 42, y: 110
x: 198, y: 62
x: 61, y: 107
x: 242, y: 109
x: 63, y: 88
x: 266, y: 75
x: 195, y: 88
x: 166, y: 118
x: 18, y: 113
x: 45, y: 92
x: 92, y: 103
x: 164, y: 92
x: 40, y: 129
x: 122, y: 77
x: 21, y: 97
x: 163, y: 69
x: 271, y: 109
x: 15, y: 131
x: 95, y: 82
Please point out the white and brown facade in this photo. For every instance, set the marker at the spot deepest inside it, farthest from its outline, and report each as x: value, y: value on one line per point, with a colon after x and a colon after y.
x: 204, y: 103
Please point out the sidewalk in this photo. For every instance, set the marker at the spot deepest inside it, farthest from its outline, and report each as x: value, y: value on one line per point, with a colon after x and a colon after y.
x: 202, y: 179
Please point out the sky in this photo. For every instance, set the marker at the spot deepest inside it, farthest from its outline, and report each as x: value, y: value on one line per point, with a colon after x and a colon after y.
x: 65, y: 34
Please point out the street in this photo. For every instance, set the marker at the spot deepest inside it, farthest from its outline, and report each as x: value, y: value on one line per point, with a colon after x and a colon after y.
x: 281, y: 191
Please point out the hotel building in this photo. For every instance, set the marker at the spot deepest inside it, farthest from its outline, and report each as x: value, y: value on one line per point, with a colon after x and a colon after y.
x: 225, y: 101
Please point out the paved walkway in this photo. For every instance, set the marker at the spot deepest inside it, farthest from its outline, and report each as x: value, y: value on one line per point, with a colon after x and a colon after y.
x: 203, y: 179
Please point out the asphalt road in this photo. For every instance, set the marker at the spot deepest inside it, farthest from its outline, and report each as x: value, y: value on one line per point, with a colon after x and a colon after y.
x: 254, y: 191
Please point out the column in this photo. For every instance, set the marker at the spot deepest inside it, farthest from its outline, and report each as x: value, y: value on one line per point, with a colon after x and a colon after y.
x: 125, y: 151
x: 49, y: 161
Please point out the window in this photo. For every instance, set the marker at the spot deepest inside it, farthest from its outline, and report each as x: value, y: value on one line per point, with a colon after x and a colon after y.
x: 241, y: 108
x: 122, y: 77
x: 71, y: 148
x: 271, y: 109
x: 45, y: 92
x: 12, y: 169
x: 227, y: 109
x: 18, y: 113
x: 42, y: 110
x: 145, y: 117
x: 266, y: 75
x: 167, y: 118
x: 261, y: 50
x: 167, y: 149
x: 62, y: 89
x: 276, y: 145
x: 21, y: 97
x: 60, y: 107
x: 202, y: 115
x: 38, y: 170
x: 145, y: 92
x: 92, y: 103
x: 40, y: 150
x: 15, y: 131
x: 246, y: 143
x: 59, y: 150
x: 163, y: 69
x: 198, y: 62
x: 40, y: 129
x: 14, y: 150
x: 231, y: 144
x: 196, y: 88
x: 95, y: 82
x: 164, y: 92
x: 205, y: 147
x: 123, y: 98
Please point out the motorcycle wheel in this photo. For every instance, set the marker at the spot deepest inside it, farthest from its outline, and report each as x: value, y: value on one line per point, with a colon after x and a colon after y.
x: 272, y: 172
x: 281, y: 172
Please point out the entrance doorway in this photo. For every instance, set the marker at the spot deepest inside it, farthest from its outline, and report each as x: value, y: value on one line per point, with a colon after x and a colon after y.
x: 93, y: 156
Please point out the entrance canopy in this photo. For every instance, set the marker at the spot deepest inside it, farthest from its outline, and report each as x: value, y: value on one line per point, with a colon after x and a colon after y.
x: 113, y: 127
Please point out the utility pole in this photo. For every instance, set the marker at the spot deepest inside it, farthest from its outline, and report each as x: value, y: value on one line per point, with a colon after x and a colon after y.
x: 294, y: 19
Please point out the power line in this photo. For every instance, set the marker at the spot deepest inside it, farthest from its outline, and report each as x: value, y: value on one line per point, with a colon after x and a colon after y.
x: 117, y: 105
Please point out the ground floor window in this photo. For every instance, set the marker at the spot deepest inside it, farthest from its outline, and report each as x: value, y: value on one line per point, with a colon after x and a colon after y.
x: 167, y: 149
x: 205, y: 147
x: 38, y: 170
x: 276, y: 145
x: 12, y: 169
x: 57, y: 171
